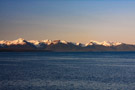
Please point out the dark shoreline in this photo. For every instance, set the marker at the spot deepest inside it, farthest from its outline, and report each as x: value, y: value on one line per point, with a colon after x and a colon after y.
x: 57, y: 51
x: 25, y: 51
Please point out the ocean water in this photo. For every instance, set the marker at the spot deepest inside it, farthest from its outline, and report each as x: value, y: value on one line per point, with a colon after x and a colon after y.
x: 67, y: 70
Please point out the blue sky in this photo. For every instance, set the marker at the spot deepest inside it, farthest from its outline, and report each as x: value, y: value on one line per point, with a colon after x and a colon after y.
x: 71, y: 20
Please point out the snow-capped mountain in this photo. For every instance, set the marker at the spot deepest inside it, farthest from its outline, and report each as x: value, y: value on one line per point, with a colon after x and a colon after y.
x: 62, y: 45
x: 59, y: 41
x: 104, y: 43
x: 48, y: 42
x: 37, y: 43
x: 20, y: 41
x: 19, y: 44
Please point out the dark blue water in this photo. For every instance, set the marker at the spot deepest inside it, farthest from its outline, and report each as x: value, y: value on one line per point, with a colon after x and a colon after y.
x: 67, y: 71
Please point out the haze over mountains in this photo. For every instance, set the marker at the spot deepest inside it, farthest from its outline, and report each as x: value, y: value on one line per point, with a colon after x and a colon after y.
x: 61, y: 45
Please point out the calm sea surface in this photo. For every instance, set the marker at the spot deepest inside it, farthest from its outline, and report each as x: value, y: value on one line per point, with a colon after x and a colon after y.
x: 67, y: 71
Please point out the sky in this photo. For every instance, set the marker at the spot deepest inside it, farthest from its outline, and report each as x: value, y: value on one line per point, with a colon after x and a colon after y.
x: 70, y: 20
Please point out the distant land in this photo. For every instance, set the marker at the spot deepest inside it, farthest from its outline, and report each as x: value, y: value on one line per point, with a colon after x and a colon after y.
x: 62, y: 46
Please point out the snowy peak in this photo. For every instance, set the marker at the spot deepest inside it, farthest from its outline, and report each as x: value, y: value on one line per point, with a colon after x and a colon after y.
x: 59, y: 41
x: 104, y: 43
x: 35, y: 42
x: 19, y: 41
x: 64, y: 42
x: 79, y: 44
x: 48, y: 42
x: 40, y: 43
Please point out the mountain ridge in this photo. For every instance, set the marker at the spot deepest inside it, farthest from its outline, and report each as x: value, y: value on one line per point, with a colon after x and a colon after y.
x: 62, y: 45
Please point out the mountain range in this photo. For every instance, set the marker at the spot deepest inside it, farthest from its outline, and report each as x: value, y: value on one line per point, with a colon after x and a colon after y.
x: 61, y: 45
